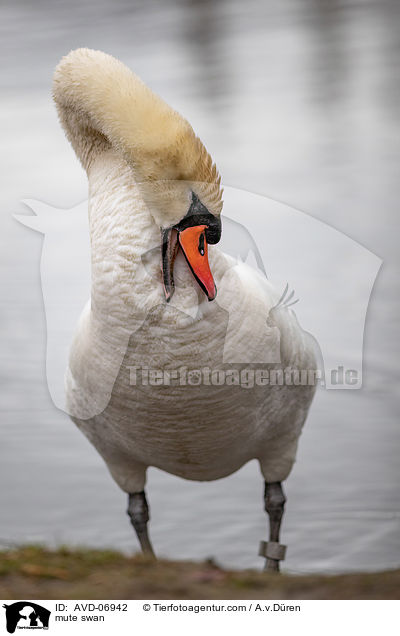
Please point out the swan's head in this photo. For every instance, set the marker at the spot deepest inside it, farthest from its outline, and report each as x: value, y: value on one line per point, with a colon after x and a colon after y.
x: 197, y: 229
x: 103, y: 105
x: 187, y: 210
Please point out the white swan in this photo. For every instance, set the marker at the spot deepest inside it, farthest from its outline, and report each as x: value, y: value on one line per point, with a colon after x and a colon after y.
x: 153, y: 185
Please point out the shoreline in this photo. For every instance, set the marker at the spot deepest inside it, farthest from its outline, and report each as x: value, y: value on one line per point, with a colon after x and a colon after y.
x: 38, y: 573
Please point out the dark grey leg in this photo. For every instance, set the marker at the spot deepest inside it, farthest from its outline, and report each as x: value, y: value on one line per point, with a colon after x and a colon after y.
x: 138, y: 512
x: 273, y: 551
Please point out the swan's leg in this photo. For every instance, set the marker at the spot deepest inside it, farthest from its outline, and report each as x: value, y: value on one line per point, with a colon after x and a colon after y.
x: 273, y: 551
x: 138, y: 512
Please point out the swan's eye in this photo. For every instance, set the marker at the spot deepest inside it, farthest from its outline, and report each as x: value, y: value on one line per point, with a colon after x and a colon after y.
x: 201, y: 244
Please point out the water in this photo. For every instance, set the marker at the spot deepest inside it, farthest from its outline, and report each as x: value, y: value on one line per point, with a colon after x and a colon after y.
x: 297, y: 101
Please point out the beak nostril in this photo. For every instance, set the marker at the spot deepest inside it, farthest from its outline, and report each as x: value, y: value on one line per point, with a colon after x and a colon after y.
x: 201, y: 243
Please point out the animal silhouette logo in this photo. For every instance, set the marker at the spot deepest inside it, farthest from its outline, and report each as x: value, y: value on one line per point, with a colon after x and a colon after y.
x: 332, y: 274
x: 26, y: 615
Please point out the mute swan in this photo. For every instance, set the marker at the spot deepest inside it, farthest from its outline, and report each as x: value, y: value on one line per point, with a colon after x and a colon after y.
x: 153, y: 184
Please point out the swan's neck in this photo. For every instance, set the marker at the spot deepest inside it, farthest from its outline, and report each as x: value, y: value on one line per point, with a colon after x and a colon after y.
x: 126, y: 249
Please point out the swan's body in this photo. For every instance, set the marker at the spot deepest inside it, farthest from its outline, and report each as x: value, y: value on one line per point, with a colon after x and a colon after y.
x: 202, y: 432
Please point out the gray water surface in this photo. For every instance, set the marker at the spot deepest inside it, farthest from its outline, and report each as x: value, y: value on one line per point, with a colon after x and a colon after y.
x: 297, y: 101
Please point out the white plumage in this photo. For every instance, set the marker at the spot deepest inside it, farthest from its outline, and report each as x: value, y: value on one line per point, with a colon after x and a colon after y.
x: 143, y: 160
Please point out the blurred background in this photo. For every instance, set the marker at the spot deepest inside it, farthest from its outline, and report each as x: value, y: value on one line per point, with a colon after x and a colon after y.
x: 295, y: 100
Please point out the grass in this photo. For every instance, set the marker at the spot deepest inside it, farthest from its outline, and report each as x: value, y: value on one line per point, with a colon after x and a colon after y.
x: 37, y: 573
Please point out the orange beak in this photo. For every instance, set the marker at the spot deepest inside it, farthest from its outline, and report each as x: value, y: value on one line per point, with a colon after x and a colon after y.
x: 193, y: 233
x: 194, y: 246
